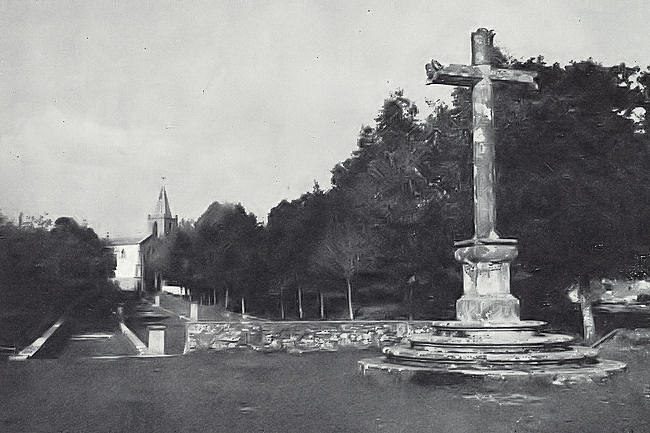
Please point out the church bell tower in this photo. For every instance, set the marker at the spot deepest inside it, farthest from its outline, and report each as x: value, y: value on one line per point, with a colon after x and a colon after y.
x: 160, y: 222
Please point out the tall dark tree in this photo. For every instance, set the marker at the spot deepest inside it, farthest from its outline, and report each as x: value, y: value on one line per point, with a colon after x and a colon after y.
x: 346, y: 250
x: 292, y: 231
x: 226, y: 251
x: 402, y: 182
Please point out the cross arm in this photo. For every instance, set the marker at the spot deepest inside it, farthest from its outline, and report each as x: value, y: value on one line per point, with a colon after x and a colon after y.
x: 467, y: 76
x: 455, y: 75
x: 514, y: 76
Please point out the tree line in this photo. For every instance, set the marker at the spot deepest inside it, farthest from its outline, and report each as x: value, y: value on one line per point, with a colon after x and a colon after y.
x: 45, y: 269
x: 572, y: 186
x: 61, y: 260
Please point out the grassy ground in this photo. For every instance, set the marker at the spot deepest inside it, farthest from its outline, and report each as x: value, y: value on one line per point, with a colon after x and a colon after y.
x: 181, y: 306
x: 252, y: 392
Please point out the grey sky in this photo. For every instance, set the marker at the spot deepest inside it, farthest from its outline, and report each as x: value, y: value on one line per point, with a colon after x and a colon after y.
x: 237, y: 101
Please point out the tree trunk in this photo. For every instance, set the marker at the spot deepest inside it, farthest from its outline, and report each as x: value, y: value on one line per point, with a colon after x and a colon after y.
x: 410, y: 302
x: 281, y: 303
x: 226, y: 300
x: 350, y: 311
x: 322, y: 305
x: 243, y: 306
x: 588, y: 324
x: 300, y: 312
x: 214, y: 297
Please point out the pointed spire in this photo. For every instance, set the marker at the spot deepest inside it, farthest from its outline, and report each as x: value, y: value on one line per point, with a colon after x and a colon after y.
x: 161, y: 223
x: 162, y: 206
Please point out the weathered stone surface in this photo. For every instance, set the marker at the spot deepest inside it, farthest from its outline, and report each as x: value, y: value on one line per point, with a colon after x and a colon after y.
x: 300, y: 336
x: 486, y: 251
x: 555, y: 374
x: 491, y: 342
x: 156, y: 339
x: 488, y: 308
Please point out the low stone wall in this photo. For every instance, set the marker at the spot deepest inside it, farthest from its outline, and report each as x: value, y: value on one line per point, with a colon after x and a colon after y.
x: 299, y: 336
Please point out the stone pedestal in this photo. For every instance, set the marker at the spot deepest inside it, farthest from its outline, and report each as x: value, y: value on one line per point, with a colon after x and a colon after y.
x: 156, y: 339
x: 493, y: 309
x: 156, y: 300
x: 194, y: 311
x: 486, y: 281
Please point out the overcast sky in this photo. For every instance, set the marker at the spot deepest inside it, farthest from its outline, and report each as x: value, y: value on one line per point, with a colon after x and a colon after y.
x: 241, y: 101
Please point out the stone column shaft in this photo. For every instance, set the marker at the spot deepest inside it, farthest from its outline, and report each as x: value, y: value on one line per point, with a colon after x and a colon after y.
x: 484, y: 156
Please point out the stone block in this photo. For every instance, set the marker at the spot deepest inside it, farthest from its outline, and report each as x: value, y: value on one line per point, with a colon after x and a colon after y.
x: 255, y: 336
x: 493, y: 309
x: 156, y: 339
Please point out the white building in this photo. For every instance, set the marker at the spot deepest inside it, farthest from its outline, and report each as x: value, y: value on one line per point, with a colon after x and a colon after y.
x: 132, y: 253
x: 129, y: 262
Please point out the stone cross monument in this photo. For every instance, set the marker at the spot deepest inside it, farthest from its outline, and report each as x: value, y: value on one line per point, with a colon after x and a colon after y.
x: 486, y: 257
x: 488, y: 338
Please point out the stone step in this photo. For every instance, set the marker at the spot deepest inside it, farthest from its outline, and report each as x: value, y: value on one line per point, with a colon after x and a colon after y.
x: 491, y: 340
x: 556, y: 374
x: 576, y: 354
x: 572, y: 355
x: 495, y: 326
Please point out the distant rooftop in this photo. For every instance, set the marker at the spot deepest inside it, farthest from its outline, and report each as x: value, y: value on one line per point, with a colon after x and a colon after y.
x: 127, y: 240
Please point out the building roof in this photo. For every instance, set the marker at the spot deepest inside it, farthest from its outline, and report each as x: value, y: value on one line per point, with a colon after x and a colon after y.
x: 128, y: 240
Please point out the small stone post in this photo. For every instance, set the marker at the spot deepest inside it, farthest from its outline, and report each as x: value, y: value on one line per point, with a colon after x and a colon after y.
x: 156, y: 339
x: 156, y: 300
x: 194, y: 311
x: 322, y: 306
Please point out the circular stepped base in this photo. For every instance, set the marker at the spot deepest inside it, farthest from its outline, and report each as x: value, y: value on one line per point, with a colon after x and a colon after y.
x: 556, y: 373
x: 491, y: 341
x: 405, y: 355
x: 497, y: 349
x: 519, y: 324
